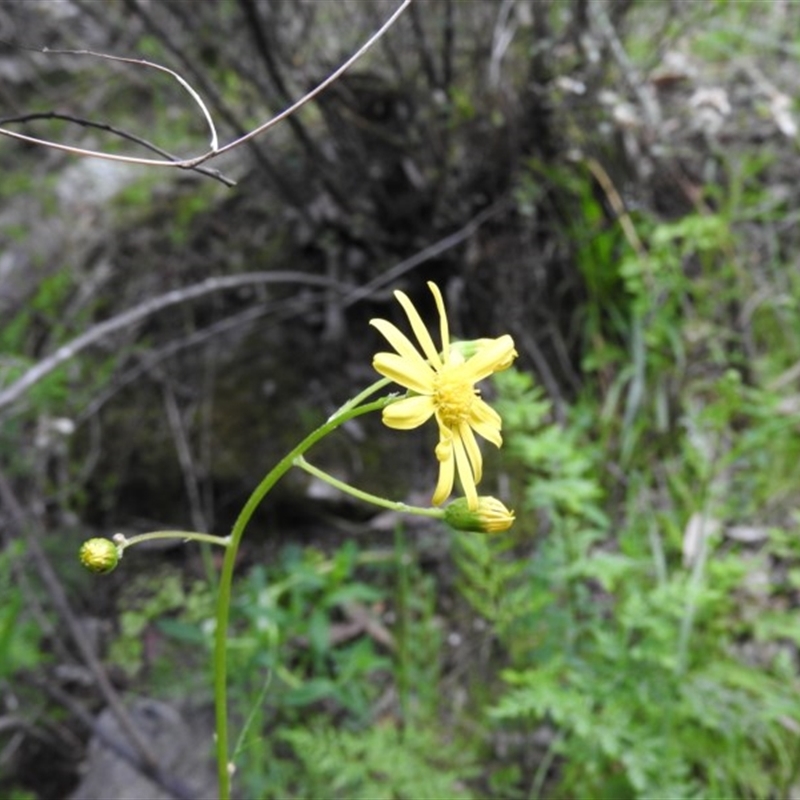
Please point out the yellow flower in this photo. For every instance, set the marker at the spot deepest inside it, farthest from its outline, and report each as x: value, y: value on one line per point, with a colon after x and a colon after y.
x: 442, y: 385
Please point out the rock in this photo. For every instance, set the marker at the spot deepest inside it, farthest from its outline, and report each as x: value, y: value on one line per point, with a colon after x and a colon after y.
x: 183, y: 747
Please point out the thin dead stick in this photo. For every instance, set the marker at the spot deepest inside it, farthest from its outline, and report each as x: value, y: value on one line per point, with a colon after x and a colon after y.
x: 153, y: 357
x: 280, y: 312
x: 58, y: 597
x: 186, y: 460
x: 612, y: 195
x: 643, y: 90
x: 351, y: 296
x: 98, y: 332
x: 141, y: 62
x: 104, y: 126
x: 437, y: 248
x: 215, y: 149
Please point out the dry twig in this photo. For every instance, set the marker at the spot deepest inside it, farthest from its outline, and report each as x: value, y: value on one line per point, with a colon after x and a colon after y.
x: 214, y: 150
x: 149, y: 307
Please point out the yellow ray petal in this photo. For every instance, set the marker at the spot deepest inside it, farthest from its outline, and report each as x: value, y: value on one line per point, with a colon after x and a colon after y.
x: 397, y: 339
x: 485, y: 420
x: 465, y: 473
x: 420, y: 331
x: 447, y: 464
x: 443, y: 326
x: 488, y: 432
x: 473, y: 451
x: 415, y: 376
x: 408, y: 413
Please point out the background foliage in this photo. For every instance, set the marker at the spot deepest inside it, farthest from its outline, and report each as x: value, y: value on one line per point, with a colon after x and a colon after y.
x: 614, y: 184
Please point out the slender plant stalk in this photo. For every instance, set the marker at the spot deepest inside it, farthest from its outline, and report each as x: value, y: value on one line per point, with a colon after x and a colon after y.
x: 692, y: 593
x: 186, y: 536
x: 401, y: 636
x: 346, y: 412
x: 346, y: 488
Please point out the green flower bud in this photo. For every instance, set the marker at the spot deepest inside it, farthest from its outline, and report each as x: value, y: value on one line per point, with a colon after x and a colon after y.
x: 491, y: 516
x: 99, y: 555
x: 502, y: 348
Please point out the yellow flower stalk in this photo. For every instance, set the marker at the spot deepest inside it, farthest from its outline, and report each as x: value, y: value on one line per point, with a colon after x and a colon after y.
x: 441, y: 384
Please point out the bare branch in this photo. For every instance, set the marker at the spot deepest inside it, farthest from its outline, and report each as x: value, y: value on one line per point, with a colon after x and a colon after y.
x: 215, y: 150
x: 108, y: 156
x: 324, y: 85
x: 183, y: 450
x: 426, y: 254
x: 149, y: 307
x: 282, y: 312
x: 504, y: 29
x: 423, y: 49
x: 141, y: 62
x: 644, y: 92
x: 87, y: 123
x: 58, y: 598
x: 145, y: 12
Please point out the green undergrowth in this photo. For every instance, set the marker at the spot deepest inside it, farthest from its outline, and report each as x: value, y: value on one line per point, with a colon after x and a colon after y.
x: 634, y: 635
x: 646, y: 599
x: 640, y: 646
x: 319, y: 681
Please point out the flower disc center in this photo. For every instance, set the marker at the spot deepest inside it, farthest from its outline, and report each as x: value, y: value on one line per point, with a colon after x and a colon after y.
x: 453, y: 398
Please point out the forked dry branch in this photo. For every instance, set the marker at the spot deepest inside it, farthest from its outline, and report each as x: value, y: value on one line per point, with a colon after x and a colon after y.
x: 214, y: 149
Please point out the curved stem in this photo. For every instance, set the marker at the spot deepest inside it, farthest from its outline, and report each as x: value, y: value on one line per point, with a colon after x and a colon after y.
x: 392, y: 505
x: 344, y: 414
x: 362, y: 396
x: 124, y: 541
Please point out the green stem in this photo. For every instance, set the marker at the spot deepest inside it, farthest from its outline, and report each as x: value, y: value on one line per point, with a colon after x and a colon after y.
x: 402, y: 631
x: 125, y: 541
x: 348, y: 411
x: 693, y: 589
x: 392, y: 505
x: 359, y: 398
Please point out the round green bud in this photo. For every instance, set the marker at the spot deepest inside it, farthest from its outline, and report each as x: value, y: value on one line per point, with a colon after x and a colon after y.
x: 491, y: 516
x: 99, y: 555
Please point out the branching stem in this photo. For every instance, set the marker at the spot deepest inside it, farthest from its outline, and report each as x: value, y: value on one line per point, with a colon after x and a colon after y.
x: 347, y: 412
x: 215, y: 150
x: 392, y: 505
x: 186, y: 536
